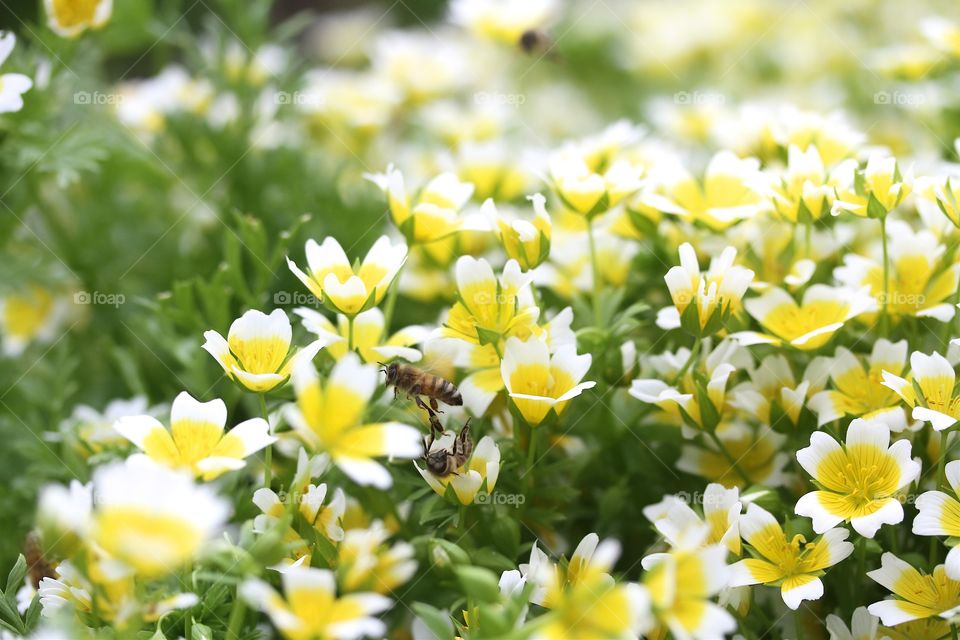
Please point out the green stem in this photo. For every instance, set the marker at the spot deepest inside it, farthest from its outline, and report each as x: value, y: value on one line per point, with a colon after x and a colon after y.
x: 268, y: 451
x: 942, y: 463
x: 953, y: 631
x: 596, y: 273
x: 726, y: 454
x: 807, y: 240
x: 886, y: 273
x: 693, y: 356
x: 350, y: 333
x: 235, y: 623
x: 391, y: 301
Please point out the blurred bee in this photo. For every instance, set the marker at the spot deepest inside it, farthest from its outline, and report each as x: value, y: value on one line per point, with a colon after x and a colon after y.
x: 537, y: 42
x: 417, y: 382
x: 444, y: 462
x: 38, y: 567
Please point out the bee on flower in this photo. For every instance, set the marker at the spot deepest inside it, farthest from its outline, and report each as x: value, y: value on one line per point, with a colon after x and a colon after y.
x: 433, y: 212
x: 859, y: 389
x: 476, y: 475
x: 808, y: 325
x: 332, y: 279
x: 68, y: 18
x: 328, y: 416
x: 502, y: 21
x: 916, y: 595
x: 930, y: 392
x: 705, y: 302
x: 311, y: 608
x: 792, y: 564
x: 12, y: 85
x: 369, y: 339
x: 858, y: 481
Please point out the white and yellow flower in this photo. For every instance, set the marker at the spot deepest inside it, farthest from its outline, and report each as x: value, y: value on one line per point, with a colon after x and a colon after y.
x: 196, y: 439
x: 758, y: 452
x: 92, y: 430
x: 478, y: 474
x: 939, y: 515
x: 873, y: 191
x: 333, y: 280
x: 33, y: 315
x: 858, y: 388
x: 433, y: 213
x: 347, y: 108
x: 12, y: 85
x: 681, y: 400
x: 539, y: 381
x: 70, y: 18
x: 773, y: 391
x: 584, y: 599
x: 683, y: 528
x: 328, y: 416
x: 943, y: 193
x: 681, y: 584
x: 369, y: 339
x: 808, y: 325
x: 863, y: 626
x: 804, y: 191
x: 256, y: 352
x: 151, y: 518
x: 526, y: 242
x: 919, y: 283
x: 858, y: 481
x: 710, y: 297
x: 591, y: 191
x: 310, y: 607
x: 917, y: 595
x: 933, y: 377
x: 794, y: 565
x: 366, y: 562
x: 731, y: 191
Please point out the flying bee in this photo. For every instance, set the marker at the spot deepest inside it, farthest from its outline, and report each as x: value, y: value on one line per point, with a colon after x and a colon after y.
x: 535, y: 41
x: 417, y: 382
x: 444, y: 462
x: 38, y: 566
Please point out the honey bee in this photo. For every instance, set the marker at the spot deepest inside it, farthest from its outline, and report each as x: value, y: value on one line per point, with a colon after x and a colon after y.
x: 417, y: 382
x: 534, y: 41
x: 444, y: 462
x: 38, y: 566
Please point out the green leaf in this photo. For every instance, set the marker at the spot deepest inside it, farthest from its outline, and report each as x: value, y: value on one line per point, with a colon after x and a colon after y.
x: 437, y: 621
x: 16, y: 575
x: 479, y: 584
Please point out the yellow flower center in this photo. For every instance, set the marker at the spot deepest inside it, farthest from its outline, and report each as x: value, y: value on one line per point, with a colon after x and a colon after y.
x: 72, y: 13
